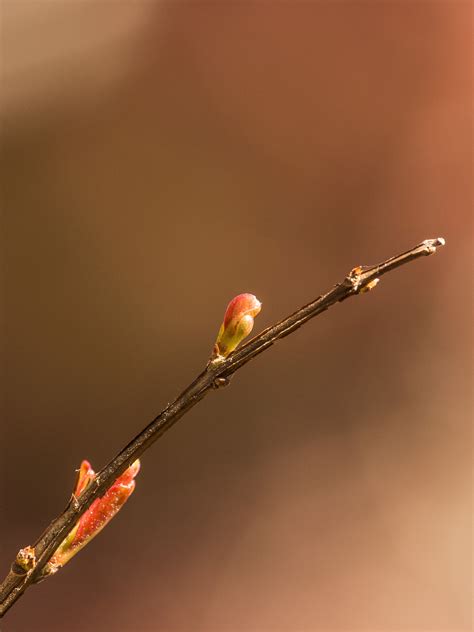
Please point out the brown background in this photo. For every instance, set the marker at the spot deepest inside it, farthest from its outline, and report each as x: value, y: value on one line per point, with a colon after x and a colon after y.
x: 159, y: 158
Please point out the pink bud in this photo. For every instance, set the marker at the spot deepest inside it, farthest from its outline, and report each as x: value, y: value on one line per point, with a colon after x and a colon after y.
x: 238, y: 323
x: 97, y: 516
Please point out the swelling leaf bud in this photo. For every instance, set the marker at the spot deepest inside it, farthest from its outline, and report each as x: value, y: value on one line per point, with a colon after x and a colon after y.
x: 238, y: 323
x: 96, y: 517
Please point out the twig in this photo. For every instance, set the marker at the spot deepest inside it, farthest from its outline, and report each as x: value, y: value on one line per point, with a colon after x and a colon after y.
x: 217, y: 373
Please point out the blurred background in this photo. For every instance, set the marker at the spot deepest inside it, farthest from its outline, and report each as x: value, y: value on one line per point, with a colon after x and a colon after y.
x: 159, y: 158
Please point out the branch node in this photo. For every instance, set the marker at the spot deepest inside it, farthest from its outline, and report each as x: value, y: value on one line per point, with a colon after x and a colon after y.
x: 356, y: 281
x: 214, y: 361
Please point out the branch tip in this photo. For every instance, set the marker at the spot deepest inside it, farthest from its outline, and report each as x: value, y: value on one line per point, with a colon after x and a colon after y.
x: 432, y: 244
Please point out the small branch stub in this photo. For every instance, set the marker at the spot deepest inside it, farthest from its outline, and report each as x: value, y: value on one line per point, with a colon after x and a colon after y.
x: 26, y: 559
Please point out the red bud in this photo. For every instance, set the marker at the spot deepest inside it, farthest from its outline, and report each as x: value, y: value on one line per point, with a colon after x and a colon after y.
x: 238, y: 323
x: 101, y: 511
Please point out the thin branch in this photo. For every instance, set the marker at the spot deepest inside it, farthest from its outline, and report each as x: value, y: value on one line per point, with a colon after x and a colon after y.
x: 216, y: 373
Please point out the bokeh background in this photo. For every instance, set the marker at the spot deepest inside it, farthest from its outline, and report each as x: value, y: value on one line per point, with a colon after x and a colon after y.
x: 159, y: 158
